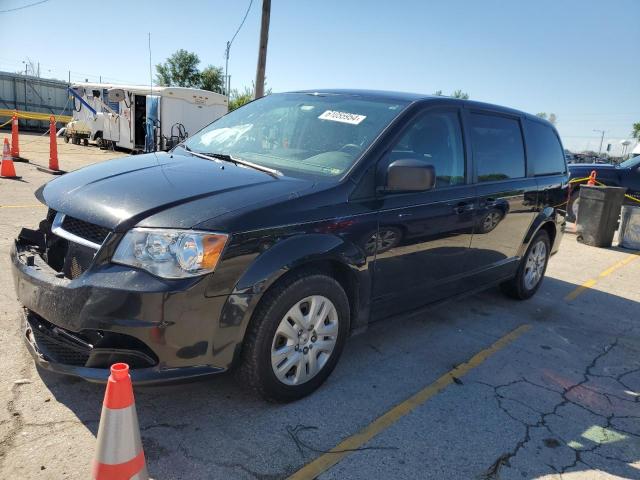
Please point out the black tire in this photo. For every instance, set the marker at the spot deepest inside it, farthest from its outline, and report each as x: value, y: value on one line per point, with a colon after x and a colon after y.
x: 66, y: 139
x: 516, y: 287
x: 85, y: 142
x: 255, y: 371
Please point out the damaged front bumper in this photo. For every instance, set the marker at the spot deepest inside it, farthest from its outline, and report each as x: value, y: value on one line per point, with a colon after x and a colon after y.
x: 164, y: 329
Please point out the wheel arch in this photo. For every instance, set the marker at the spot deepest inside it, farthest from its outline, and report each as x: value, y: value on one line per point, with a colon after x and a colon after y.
x: 327, y: 254
x: 544, y: 221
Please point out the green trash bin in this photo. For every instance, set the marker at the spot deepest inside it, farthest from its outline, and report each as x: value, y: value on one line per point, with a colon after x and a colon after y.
x: 598, y: 214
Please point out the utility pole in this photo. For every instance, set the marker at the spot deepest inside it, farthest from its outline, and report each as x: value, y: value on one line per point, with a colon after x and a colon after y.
x: 227, y: 82
x: 262, y: 51
x: 602, y: 132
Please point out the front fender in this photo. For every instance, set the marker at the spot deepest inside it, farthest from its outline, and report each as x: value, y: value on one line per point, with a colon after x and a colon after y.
x: 284, y: 256
x: 293, y: 252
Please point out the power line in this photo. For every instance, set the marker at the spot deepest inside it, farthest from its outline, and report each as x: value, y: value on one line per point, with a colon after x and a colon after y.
x: 241, y: 23
x: 24, y: 6
x: 228, y: 49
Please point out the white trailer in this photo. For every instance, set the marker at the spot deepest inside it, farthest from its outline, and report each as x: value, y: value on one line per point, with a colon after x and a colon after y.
x: 88, y: 105
x: 141, y: 118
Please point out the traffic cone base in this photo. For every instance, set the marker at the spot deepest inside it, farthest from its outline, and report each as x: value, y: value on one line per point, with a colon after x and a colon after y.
x: 49, y: 171
x: 7, y: 170
x: 119, y: 453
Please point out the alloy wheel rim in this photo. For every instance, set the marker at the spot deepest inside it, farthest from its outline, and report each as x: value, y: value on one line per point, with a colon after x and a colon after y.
x: 491, y: 221
x: 304, y: 340
x: 387, y: 239
x: 534, y: 266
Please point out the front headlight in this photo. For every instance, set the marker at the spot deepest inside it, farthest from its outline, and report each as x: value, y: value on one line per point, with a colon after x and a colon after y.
x: 171, y: 253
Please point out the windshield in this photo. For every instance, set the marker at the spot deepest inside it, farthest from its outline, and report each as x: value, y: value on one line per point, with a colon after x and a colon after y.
x: 309, y: 135
x: 632, y: 162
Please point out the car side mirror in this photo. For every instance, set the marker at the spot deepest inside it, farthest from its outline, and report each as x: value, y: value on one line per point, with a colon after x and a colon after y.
x: 409, y: 175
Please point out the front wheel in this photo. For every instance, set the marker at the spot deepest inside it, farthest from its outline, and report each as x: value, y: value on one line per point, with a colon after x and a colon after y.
x: 295, y: 337
x: 531, y: 269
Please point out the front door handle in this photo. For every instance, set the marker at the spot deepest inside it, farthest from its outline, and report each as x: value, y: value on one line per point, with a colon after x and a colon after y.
x: 462, y: 207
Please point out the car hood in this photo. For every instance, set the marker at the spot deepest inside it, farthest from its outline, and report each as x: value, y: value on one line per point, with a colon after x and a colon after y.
x: 118, y: 194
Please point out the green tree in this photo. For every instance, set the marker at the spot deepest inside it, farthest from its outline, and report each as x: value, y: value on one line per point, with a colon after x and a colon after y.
x: 460, y: 94
x: 636, y: 131
x: 212, y: 79
x: 180, y: 70
x: 238, y: 99
x: 456, y: 94
x: 552, y: 117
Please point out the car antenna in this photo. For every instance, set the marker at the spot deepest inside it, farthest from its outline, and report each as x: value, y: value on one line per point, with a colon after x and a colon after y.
x: 151, y: 91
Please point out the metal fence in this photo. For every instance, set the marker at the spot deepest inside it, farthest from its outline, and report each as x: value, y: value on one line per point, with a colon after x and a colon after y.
x: 34, y: 94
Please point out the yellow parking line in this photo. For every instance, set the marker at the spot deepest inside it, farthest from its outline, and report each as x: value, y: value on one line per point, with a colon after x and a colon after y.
x: 23, y: 206
x: 348, y: 445
x: 605, y: 273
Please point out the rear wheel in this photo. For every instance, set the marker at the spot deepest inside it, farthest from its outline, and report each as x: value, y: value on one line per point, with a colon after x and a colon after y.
x: 295, y: 337
x: 531, y: 269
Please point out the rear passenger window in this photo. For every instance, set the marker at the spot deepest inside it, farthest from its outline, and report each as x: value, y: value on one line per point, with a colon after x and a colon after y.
x: 546, y: 156
x: 498, y: 150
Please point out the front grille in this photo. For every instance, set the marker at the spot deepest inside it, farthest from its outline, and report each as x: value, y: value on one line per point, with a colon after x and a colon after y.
x: 77, y: 260
x: 88, y: 348
x: 60, y: 351
x: 88, y: 231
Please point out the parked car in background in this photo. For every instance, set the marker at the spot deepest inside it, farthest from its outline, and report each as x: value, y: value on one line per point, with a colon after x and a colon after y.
x: 626, y: 175
x: 269, y: 236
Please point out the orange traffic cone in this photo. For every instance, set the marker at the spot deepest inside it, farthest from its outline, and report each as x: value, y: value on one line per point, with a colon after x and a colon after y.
x: 7, y: 170
x: 119, y: 454
x: 53, y: 150
x: 592, y: 178
x: 15, y: 143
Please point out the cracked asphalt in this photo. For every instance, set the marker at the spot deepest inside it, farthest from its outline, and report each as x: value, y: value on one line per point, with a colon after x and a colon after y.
x: 561, y: 401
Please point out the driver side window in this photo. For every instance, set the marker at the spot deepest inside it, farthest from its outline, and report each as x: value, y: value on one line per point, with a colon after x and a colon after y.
x: 436, y: 139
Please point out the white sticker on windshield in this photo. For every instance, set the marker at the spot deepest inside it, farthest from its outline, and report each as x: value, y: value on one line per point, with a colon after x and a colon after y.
x: 343, y: 117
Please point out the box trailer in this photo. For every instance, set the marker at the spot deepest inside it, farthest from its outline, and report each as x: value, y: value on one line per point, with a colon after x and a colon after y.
x: 143, y: 119
x: 87, y: 104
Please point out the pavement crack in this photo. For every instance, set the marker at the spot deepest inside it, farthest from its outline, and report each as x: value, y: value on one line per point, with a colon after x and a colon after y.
x: 493, y: 472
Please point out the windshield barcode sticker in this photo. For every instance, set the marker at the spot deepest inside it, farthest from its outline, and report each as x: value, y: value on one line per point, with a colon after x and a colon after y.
x: 343, y: 117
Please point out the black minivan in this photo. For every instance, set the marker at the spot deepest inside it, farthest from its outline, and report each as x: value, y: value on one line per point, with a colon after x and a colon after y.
x: 266, y: 239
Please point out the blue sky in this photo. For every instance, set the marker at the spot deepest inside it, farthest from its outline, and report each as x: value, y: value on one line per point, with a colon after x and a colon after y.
x: 577, y: 58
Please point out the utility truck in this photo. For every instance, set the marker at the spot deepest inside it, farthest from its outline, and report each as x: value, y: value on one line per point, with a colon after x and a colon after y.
x: 140, y: 118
